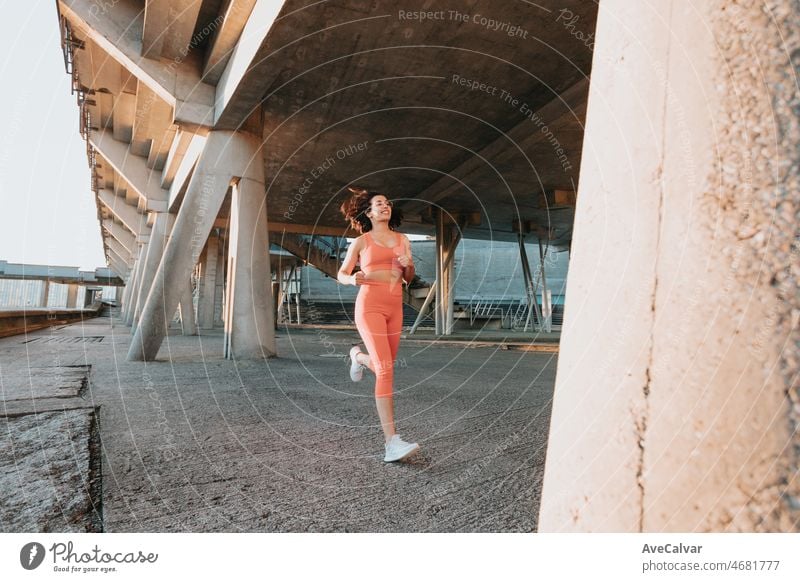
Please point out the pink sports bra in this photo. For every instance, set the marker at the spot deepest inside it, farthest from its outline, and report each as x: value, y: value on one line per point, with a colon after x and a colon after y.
x: 375, y: 257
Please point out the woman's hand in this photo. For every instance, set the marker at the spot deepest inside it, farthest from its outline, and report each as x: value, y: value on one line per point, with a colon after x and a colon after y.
x: 405, y: 261
x: 358, y: 278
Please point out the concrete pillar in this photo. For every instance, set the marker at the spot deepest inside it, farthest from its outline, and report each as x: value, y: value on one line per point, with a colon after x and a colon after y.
x: 249, y: 324
x: 208, y: 283
x: 227, y: 154
x: 162, y: 226
x: 219, y: 288
x: 125, y: 298
x: 44, y: 294
x: 547, y: 308
x: 72, y: 296
x: 186, y: 309
x: 530, y: 285
x: 676, y: 394
x: 446, y: 242
x: 137, y: 281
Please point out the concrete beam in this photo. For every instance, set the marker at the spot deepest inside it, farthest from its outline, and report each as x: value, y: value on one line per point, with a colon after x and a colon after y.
x: 153, y: 118
x: 181, y: 20
x: 118, y: 32
x: 116, y: 264
x: 122, y: 116
x: 106, y: 72
x: 248, y: 73
x: 145, y: 181
x: 177, y: 149
x: 227, y: 34
x: 121, y: 234
x: 156, y: 24
x: 120, y: 251
x: 159, y: 148
x: 125, y: 213
x: 184, y: 171
x: 118, y: 267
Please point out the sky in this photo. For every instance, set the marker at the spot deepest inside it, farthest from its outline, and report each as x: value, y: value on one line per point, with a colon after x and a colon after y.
x: 48, y: 214
x: 47, y: 209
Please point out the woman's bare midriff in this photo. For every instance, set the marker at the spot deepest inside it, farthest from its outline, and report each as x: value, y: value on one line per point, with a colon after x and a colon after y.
x: 383, y: 276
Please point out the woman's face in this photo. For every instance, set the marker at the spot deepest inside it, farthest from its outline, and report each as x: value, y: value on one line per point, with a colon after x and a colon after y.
x: 380, y: 209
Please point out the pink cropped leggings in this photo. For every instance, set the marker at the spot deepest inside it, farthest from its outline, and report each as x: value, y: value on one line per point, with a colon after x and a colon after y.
x: 379, y: 319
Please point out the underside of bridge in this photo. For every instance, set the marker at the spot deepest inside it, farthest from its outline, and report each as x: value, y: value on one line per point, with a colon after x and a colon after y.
x: 471, y: 122
x: 215, y: 128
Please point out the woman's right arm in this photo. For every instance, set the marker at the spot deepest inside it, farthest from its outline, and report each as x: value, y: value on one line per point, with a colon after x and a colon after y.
x: 344, y: 277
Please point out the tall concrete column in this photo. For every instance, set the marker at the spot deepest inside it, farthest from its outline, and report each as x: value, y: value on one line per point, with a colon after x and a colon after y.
x: 219, y: 288
x: 446, y: 241
x: 72, y: 296
x: 126, y: 295
x: 676, y: 394
x: 208, y: 283
x: 186, y: 310
x: 162, y: 225
x: 227, y: 154
x: 547, y: 307
x: 249, y: 324
x: 137, y: 282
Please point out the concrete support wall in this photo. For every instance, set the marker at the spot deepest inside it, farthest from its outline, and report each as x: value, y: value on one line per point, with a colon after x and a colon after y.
x: 678, y: 366
x: 249, y: 321
x: 227, y: 154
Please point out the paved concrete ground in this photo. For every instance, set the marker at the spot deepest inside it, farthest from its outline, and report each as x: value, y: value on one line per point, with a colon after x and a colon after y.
x: 194, y: 442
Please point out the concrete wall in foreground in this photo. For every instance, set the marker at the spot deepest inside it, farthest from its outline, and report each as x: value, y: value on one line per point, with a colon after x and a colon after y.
x: 676, y: 399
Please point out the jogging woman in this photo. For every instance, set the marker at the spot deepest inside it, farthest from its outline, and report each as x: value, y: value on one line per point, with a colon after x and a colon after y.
x: 385, y: 258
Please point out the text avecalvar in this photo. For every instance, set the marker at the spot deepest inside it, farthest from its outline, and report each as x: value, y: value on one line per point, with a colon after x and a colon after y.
x: 671, y: 549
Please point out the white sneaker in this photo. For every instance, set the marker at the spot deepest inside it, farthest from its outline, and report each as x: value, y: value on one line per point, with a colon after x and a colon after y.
x: 397, y: 449
x: 356, y: 369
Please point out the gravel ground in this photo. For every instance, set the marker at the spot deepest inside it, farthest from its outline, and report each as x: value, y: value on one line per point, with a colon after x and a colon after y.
x: 194, y: 442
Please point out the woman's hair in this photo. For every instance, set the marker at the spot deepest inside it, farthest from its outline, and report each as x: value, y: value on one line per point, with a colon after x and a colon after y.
x: 355, y: 210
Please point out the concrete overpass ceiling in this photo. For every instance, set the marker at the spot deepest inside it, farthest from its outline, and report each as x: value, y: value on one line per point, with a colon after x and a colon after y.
x: 399, y: 88
x: 353, y: 92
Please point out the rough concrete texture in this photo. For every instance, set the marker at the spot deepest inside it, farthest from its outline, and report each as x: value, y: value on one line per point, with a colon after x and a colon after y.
x: 681, y: 420
x: 756, y: 202
x: 194, y: 442
x: 49, y: 451
x: 46, y: 473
